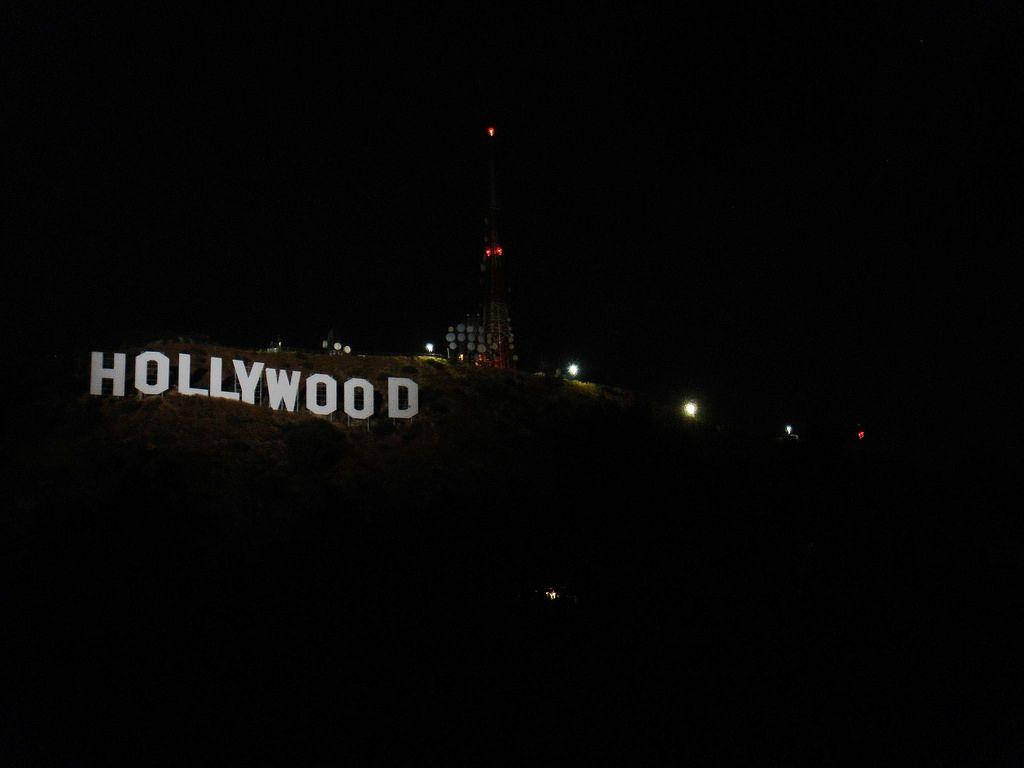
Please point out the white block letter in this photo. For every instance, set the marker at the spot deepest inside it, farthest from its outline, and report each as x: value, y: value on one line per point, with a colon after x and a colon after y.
x: 185, y: 376
x: 163, y: 373
x: 413, y: 407
x: 97, y: 373
x: 350, y: 398
x: 331, y: 404
x: 248, y: 381
x: 282, y: 389
x: 216, y: 379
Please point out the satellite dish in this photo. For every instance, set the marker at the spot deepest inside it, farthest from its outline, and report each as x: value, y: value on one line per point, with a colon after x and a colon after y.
x: 471, y: 345
x: 337, y: 346
x: 481, y: 346
x: 348, y: 350
x: 452, y: 345
x: 451, y: 328
x: 471, y: 328
x: 462, y: 337
x: 511, y: 346
x: 461, y: 327
x: 471, y: 336
x: 449, y: 337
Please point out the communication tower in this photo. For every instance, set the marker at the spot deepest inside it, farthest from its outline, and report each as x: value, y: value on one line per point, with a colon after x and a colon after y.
x: 498, y: 348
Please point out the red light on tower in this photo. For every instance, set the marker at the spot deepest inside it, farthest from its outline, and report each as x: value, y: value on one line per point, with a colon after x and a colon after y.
x: 498, y: 250
x: 490, y: 130
x: 860, y: 435
x: 487, y: 251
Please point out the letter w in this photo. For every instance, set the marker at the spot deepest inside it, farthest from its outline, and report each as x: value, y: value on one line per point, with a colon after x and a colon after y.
x: 282, y: 389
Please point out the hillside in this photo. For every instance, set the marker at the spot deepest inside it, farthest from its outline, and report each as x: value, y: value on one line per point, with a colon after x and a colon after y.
x: 479, y: 433
x: 197, y: 578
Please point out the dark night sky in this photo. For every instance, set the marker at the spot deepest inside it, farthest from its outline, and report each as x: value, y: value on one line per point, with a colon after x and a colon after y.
x: 794, y: 215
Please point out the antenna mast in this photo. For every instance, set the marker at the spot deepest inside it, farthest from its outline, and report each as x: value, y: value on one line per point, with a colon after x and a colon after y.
x: 500, y: 341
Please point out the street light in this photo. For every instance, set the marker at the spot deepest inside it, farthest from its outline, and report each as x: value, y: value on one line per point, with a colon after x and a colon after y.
x: 789, y: 430
x: 690, y: 408
x: 573, y: 369
x: 430, y: 347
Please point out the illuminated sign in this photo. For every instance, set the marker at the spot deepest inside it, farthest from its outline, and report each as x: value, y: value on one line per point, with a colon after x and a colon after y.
x: 282, y: 386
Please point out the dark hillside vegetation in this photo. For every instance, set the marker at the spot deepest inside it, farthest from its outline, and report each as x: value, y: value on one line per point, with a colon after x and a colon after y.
x: 191, y: 581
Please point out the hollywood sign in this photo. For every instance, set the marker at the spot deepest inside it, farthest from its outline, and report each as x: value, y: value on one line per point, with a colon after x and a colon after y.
x: 282, y: 387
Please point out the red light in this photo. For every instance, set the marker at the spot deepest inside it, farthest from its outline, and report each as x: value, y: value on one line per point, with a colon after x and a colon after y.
x: 860, y: 435
x: 487, y: 251
x: 490, y: 130
x: 498, y: 250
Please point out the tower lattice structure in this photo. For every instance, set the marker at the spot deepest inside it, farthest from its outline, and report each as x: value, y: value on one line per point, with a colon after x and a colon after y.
x: 500, y: 341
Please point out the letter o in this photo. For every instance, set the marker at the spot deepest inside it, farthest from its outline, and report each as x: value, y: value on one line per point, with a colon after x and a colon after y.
x: 163, y: 373
x: 350, y: 398
x: 331, y: 404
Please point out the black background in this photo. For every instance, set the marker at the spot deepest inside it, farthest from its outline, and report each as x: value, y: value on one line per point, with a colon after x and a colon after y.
x: 796, y: 216
x: 800, y: 216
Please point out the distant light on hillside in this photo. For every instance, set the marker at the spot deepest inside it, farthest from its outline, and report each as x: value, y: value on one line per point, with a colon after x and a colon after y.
x: 789, y: 430
x: 573, y: 369
x: 690, y: 408
x: 430, y: 347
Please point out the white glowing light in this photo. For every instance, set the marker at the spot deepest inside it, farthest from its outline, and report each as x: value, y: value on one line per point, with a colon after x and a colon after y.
x: 789, y: 430
x: 573, y: 369
x: 429, y: 346
x: 690, y: 408
x: 551, y: 594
